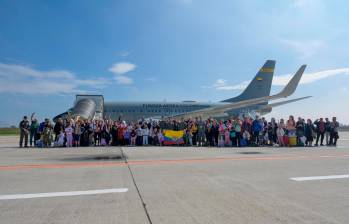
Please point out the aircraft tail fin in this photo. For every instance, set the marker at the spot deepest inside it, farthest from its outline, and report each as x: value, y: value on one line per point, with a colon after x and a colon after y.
x: 260, y: 85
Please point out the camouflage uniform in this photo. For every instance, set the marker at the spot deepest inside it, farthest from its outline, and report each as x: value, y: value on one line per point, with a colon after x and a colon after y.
x: 47, y: 136
x: 24, y: 132
x: 201, y: 133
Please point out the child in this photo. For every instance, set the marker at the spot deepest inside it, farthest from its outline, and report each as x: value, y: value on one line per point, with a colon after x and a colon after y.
x: 280, y: 132
x: 69, y: 135
x: 60, y: 140
x: 156, y: 137
x: 104, y: 135
x: 127, y: 136
x: 161, y: 138
x: 266, y: 139
x: 221, y: 134
x: 227, y: 137
x: 145, y: 134
x: 133, y: 137
x: 189, y: 136
x: 77, y: 133
x: 246, y: 136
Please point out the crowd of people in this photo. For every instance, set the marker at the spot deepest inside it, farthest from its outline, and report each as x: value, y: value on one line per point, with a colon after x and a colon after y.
x: 196, y: 132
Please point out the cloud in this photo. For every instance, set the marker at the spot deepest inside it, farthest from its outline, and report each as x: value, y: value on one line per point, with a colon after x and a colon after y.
x: 122, y: 68
x: 151, y: 79
x: 120, y: 79
x: 124, y: 53
x: 24, y: 79
x: 309, y: 5
x: 310, y: 77
x: 305, y: 49
x: 282, y: 80
x: 222, y: 84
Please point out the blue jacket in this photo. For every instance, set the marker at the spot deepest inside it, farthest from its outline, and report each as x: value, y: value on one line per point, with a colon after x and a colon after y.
x: 256, y: 126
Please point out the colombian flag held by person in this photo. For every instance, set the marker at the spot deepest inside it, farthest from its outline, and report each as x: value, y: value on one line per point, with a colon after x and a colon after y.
x: 173, y: 137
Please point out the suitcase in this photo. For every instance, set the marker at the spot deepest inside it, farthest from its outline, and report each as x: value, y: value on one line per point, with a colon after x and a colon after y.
x: 286, y: 140
x: 243, y: 142
x: 293, y: 141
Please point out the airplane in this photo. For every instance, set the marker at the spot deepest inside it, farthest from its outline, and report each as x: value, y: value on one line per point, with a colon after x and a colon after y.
x: 224, y: 109
x: 253, y: 100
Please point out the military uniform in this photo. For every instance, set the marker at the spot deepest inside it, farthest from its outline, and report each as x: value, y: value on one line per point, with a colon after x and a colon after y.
x: 24, y: 132
x: 47, y: 136
x: 201, y: 133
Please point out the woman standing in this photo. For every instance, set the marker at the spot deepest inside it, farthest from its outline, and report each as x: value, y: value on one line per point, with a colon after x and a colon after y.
x: 309, y: 133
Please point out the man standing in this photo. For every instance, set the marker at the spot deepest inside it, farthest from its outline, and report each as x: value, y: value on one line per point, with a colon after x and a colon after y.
x: 58, y: 128
x: 201, y: 126
x: 320, y: 131
x: 300, y: 126
x: 256, y: 129
x: 24, y: 132
x: 334, y: 132
x: 328, y: 130
x: 34, y: 127
x: 194, y: 130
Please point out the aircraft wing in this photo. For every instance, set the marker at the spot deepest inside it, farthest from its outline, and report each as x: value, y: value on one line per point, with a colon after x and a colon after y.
x: 285, y: 102
x: 288, y: 90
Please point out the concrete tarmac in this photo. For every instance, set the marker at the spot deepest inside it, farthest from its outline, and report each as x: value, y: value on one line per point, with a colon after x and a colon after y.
x: 174, y: 184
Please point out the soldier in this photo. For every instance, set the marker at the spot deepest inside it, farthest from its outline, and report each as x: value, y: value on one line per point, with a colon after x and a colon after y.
x: 24, y: 132
x: 47, y: 134
x: 334, y: 132
x: 201, y: 132
x: 34, y: 127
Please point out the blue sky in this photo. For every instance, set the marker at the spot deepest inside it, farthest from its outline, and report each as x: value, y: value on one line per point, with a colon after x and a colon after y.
x: 170, y: 50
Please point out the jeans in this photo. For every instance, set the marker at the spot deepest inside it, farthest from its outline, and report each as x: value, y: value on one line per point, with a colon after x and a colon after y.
x: 32, y: 138
x: 327, y: 135
x: 318, y: 135
x: 145, y: 139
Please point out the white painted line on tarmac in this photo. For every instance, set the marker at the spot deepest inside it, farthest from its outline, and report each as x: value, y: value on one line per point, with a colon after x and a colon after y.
x: 62, y: 194
x: 320, y: 177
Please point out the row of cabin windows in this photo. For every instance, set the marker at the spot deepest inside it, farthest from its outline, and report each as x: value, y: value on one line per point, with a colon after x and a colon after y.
x: 141, y: 111
x: 169, y: 105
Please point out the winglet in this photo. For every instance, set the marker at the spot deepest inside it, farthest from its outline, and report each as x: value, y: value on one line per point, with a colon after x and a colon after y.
x: 291, y: 86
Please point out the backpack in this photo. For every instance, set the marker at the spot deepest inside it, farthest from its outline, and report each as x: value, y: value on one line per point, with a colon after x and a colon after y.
x: 243, y: 142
